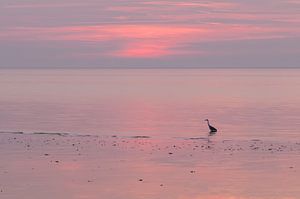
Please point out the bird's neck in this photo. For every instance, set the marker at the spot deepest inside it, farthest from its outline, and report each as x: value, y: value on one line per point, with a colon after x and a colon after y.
x: 208, y: 122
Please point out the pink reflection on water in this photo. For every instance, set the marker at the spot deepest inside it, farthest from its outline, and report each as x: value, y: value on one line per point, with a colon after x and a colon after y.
x: 116, y: 167
x: 169, y: 103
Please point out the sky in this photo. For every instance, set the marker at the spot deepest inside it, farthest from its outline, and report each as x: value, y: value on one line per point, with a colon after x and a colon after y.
x: 149, y: 33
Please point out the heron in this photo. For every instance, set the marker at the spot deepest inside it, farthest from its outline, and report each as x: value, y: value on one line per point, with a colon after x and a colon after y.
x: 211, y: 128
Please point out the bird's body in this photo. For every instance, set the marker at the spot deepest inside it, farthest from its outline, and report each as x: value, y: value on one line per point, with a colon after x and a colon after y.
x: 212, y: 129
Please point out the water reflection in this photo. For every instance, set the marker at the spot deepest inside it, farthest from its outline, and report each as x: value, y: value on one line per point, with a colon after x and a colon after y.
x: 115, y: 167
x: 170, y: 103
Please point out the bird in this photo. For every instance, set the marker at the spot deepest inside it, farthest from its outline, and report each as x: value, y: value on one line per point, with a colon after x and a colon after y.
x: 211, y: 128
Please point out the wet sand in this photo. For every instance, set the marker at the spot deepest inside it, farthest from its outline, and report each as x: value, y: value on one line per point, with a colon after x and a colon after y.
x: 42, y: 165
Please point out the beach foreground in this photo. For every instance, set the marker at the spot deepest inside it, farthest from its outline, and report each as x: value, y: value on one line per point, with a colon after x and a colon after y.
x: 42, y: 165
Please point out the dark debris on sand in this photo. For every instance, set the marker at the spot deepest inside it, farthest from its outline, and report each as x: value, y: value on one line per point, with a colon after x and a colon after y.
x: 146, y: 144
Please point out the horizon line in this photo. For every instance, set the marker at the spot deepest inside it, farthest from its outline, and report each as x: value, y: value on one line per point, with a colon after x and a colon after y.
x: 147, y: 67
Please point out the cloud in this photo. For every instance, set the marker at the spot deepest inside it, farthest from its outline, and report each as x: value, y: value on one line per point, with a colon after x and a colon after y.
x: 202, y: 4
x: 148, y: 30
x: 227, y: 196
x: 147, y: 40
x: 44, y: 5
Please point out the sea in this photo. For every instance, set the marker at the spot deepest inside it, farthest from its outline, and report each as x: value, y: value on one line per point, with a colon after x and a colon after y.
x: 242, y: 104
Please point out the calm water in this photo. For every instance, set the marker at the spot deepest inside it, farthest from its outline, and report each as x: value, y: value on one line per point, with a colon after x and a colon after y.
x: 242, y: 104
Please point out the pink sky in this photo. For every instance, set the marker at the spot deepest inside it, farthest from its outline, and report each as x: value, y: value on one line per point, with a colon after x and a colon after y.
x: 149, y: 33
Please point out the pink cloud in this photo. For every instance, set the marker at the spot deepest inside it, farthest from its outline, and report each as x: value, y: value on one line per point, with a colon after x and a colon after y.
x: 202, y: 4
x: 143, y: 49
x: 227, y: 196
x: 171, y: 6
x: 44, y: 5
x: 148, y: 40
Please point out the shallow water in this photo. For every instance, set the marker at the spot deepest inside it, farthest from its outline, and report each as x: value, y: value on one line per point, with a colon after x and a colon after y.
x: 90, y: 167
x: 241, y: 103
x: 141, y: 134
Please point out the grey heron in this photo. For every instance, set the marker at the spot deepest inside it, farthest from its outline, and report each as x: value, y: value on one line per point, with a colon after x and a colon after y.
x: 211, y: 128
